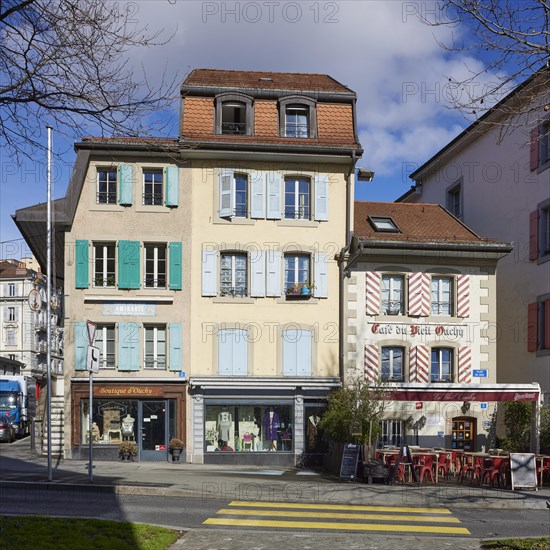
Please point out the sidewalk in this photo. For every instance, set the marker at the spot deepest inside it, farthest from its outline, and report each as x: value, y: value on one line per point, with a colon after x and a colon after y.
x: 18, y: 465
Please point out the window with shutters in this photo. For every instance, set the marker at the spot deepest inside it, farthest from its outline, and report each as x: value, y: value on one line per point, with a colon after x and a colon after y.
x: 539, y: 233
x: 153, y: 187
x: 233, y: 274
x: 232, y: 352
x: 234, y: 195
x: 442, y: 365
x: 155, y: 265
x: 544, y: 143
x: 392, y: 295
x: 538, y: 328
x: 155, y: 347
x: 442, y: 296
x: 297, y: 274
x: 392, y: 364
x: 297, y: 199
x: 106, y: 186
x: 104, y: 264
x: 105, y: 341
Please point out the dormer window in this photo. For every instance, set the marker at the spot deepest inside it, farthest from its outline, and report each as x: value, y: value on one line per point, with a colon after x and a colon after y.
x: 234, y: 114
x: 297, y: 117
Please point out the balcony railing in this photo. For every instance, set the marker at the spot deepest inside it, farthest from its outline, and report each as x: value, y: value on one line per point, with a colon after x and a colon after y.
x: 235, y: 128
x: 301, y: 213
x: 104, y: 197
x: 392, y: 307
x: 297, y: 130
x: 159, y: 364
x: 154, y: 199
x: 234, y: 291
x: 151, y: 282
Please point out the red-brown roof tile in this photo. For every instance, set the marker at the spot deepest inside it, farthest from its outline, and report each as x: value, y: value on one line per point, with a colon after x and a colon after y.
x: 417, y: 222
x: 265, y: 80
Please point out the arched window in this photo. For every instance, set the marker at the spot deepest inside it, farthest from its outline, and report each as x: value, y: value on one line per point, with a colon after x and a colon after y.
x: 297, y: 117
x: 234, y: 114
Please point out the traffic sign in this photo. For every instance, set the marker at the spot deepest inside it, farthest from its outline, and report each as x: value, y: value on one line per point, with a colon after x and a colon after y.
x: 92, y: 359
x: 480, y: 373
x: 483, y: 405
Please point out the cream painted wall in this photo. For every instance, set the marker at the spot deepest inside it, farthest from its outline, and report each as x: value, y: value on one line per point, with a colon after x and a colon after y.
x: 265, y: 317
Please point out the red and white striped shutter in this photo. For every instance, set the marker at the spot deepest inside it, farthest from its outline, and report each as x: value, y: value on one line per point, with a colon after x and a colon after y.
x: 532, y: 326
x: 371, y: 363
x: 463, y: 296
x: 419, y: 294
x: 534, y: 150
x: 372, y: 295
x: 533, y: 236
x: 420, y: 364
x: 465, y: 365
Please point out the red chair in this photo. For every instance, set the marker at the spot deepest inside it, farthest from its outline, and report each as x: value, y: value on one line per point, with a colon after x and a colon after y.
x: 467, y: 468
x: 425, y: 466
x: 443, y: 464
x: 543, y: 467
x: 488, y: 471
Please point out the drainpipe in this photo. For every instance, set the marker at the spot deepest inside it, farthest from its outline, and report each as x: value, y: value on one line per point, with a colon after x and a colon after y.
x: 340, y: 259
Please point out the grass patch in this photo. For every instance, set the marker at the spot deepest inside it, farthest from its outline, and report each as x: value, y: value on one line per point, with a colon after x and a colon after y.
x: 542, y: 543
x: 47, y: 533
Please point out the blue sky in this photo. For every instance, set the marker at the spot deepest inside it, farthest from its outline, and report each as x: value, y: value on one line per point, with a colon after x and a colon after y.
x: 379, y: 49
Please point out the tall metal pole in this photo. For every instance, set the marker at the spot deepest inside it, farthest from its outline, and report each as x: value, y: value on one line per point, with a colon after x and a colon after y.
x: 49, y: 306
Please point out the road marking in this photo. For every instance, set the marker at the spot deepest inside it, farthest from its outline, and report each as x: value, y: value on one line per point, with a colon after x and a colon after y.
x: 350, y: 507
x: 336, y: 515
x: 338, y: 526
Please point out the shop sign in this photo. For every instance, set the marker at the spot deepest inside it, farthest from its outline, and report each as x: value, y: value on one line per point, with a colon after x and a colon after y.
x: 451, y: 331
x: 475, y: 396
x: 418, y: 405
x: 486, y: 424
x: 128, y: 391
x: 130, y: 309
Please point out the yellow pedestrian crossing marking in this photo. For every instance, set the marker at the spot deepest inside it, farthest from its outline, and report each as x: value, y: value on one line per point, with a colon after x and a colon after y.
x: 337, y: 516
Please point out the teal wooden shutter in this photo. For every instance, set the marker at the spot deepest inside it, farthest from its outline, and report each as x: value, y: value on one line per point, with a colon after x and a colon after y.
x: 125, y: 185
x: 303, y: 353
x: 227, y: 195
x: 128, y: 264
x: 209, y: 275
x: 175, y: 280
x: 257, y: 273
x: 225, y: 352
x: 240, y: 353
x: 320, y: 275
x: 80, y: 345
x: 81, y: 264
x: 171, y: 176
x: 128, y: 346
x: 257, y: 190
x: 273, y: 270
x: 176, y: 358
x: 321, y: 198
x: 290, y: 339
x: 273, y: 196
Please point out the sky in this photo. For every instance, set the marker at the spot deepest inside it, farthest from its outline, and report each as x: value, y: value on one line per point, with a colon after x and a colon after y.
x: 380, y: 49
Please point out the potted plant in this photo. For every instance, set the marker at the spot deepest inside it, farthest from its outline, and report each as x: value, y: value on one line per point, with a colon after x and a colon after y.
x: 176, y: 446
x: 307, y: 289
x: 294, y: 289
x: 127, y: 451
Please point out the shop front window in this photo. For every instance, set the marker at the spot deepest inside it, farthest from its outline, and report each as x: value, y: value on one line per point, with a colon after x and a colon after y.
x: 113, y: 421
x: 248, y: 427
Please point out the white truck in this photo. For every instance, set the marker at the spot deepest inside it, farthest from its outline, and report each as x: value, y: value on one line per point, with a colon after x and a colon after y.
x: 18, y: 401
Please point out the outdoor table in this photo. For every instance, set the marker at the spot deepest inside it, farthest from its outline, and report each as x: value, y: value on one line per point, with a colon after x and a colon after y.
x: 418, y: 455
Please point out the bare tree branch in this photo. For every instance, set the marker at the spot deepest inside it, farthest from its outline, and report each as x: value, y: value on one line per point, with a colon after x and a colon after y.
x: 67, y: 63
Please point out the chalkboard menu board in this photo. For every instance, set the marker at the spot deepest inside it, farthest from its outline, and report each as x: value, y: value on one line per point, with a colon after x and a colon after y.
x: 348, y: 469
x: 523, y: 471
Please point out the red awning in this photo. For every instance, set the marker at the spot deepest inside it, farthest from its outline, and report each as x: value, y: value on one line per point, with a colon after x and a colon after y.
x: 473, y: 395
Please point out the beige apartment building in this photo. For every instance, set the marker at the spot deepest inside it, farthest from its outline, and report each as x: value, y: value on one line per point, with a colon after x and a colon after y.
x: 495, y: 177
x: 207, y: 265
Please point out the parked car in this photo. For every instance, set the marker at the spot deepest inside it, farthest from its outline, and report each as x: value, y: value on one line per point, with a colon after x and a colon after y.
x: 7, y: 429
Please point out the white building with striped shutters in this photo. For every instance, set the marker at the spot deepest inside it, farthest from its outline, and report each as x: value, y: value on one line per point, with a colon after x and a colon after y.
x: 421, y: 314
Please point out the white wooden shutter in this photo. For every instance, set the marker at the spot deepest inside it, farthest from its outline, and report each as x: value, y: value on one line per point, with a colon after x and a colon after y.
x: 257, y: 190
x: 227, y: 194
x: 209, y: 274
x: 320, y: 274
x: 257, y: 273
x: 321, y: 198
x: 273, y: 269
x: 273, y: 196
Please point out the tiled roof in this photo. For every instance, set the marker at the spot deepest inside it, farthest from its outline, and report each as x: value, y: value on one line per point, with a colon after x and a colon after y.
x: 267, y: 140
x: 265, y: 80
x: 132, y: 140
x: 416, y: 222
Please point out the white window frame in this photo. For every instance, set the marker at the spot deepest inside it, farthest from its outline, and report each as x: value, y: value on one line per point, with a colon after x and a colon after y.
x: 392, y: 350
x: 233, y: 291
x: 299, y: 212
x: 104, y: 274
x: 454, y: 199
x: 387, y: 305
x: 157, y: 363
x: 236, y: 213
x: 12, y: 314
x: 102, y: 342
x: 440, y: 363
x: 12, y: 292
x: 157, y: 197
x: 297, y: 133
x: 392, y: 432
x: 110, y: 185
x: 152, y: 280
x: 437, y: 305
x: 296, y: 270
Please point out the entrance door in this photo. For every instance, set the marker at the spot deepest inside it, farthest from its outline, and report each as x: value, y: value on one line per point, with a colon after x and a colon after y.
x: 154, y: 430
x: 464, y: 433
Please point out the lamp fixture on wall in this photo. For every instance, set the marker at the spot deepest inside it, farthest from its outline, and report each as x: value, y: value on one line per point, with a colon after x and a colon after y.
x: 465, y: 407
